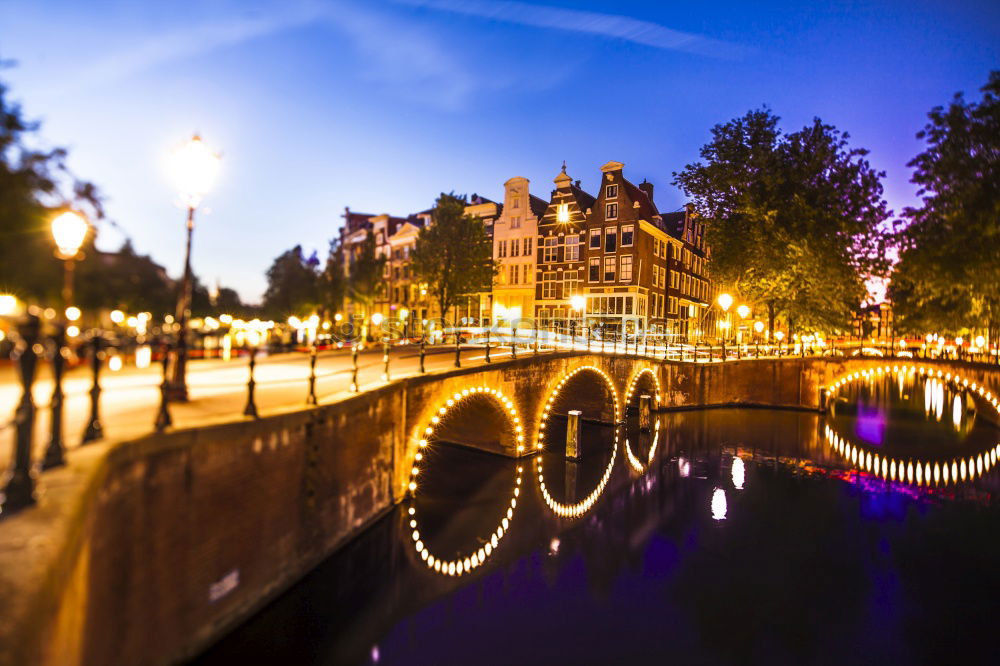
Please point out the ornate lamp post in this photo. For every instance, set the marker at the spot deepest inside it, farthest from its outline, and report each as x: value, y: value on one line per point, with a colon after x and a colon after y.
x: 758, y: 327
x: 743, y: 310
x: 194, y: 167
x: 69, y: 229
x: 578, y: 302
x: 725, y: 302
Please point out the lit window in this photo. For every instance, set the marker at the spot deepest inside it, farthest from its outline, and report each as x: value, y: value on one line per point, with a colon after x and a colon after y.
x: 609, y: 269
x: 625, y: 273
x: 550, y: 251
x: 611, y: 211
x: 514, y: 246
x: 515, y: 222
x: 572, y: 248
x: 515, y: 202
x: 513, y: 273
x: 502, y: 251
x: 570, y: 281
x: 549, y: 285
x: 527, y: 246
x: 611, y: 191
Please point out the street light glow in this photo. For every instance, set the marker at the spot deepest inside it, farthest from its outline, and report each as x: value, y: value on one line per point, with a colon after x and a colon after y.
x: 743, y: 311
x: 758, y: 326
x: 69, y: 229
x: 193, y: 168
x: 578, y: 301
x: 377, y: 318
x: 8, y: 305
x: 725, y: 302
x: 73, y: 313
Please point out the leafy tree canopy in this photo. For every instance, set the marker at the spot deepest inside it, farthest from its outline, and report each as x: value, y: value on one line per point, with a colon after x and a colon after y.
x: 948, y: 275
x: 453, y: 255
x: 795, y: 222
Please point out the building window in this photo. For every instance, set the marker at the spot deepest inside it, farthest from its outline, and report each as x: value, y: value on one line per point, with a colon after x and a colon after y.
x: 628, y: 230
x: 550, y: 250
x: 502, y: 250
x: 526, y: 273
x: 514, y: 246
x: 515, y: 222
x: 571, y: 281
x: 595, y: 239
x: 527, y: 246
x: 611, y: 211
x: 625, y: 272
x: 549, y: 284
x: 628, y: 305
x: 595, y: 270
x: 611, y: 191
x: 562, y: 212
x: 656, y: 247
x: 572, y: 248
x: 514, y: 269
x: 611, y: 239
x: 515, y: 202
x: 609, y: 269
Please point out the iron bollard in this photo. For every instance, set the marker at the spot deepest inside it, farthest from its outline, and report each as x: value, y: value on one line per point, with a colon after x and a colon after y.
x: 19, y: 491
x: 458, y: 349
x: 536, y: 337
x: 311, y: 397
x: 385, y: 358
x: 163, y: 420
x: 94, y: 429
x: 354, y: 368
x: 487, y: 345
x: 586, y: 332
x: 513, y: 344
x: 54, y: 452
x: 423, y: 352
x: 251, y: 408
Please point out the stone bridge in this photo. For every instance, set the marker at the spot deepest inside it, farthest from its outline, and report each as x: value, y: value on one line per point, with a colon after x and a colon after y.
x: 145, y: 551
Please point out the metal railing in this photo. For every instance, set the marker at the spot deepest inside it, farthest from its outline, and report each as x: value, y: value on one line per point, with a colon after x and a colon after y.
x: 469, y: 345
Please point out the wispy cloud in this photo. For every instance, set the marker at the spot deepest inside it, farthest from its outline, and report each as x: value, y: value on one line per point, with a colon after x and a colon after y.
x: 612, y: 26
x: 404, y: 58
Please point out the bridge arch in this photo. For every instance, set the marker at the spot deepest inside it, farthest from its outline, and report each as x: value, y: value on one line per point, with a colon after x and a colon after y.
x: 565, y: 386
x: 644, y: 376
x: 434, y: 430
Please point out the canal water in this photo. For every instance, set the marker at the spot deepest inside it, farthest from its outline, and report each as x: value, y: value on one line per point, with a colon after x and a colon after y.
x: 720, y: 536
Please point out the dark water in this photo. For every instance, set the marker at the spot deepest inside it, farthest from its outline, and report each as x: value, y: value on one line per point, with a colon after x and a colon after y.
x: 726, y: 536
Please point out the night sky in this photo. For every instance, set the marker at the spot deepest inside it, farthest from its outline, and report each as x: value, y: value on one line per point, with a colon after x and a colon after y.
x: 381, y: 105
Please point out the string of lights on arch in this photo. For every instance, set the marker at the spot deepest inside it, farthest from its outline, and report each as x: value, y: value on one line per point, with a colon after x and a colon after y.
x: 584, y: 505
x: 462, y: 565
x: 633, y: 461
x: 921, y: 472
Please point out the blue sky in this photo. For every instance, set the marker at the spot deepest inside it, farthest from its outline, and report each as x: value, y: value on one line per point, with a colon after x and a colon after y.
x: 380, y: 105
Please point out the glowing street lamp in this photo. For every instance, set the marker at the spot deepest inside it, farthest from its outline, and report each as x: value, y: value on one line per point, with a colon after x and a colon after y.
x: 193, y: 168
x: 577, y: 302
x: 725, y: 302
x: 69, y: 230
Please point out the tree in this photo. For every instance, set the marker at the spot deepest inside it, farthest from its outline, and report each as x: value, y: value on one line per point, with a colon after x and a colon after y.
x: 333, y: 281
x: 291, y: 285
x: 125, y: 280
x: 32, y: 184
x: 795, y: 222
x: 948, y: 275
x: 366, y: 276
x: 453, y: 255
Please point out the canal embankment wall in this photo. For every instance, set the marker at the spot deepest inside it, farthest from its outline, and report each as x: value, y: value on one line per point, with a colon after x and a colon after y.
x: 145, y: 551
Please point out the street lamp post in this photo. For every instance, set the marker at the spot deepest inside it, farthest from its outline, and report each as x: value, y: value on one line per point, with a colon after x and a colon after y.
x: 194, y: 168
x: 69, y: 230
x: 578, y: 302
x: 725, y: 302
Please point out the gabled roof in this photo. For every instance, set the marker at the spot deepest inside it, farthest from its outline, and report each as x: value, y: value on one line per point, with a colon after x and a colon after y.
x: 584, y: 200
x: 673, y: 224
x: 537, y: 205
x: 647, y: 209
x: 355, y: 221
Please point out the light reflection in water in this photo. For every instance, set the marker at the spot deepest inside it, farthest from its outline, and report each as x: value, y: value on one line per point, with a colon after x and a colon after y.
x: 719, y: 504
x: 739, y: 473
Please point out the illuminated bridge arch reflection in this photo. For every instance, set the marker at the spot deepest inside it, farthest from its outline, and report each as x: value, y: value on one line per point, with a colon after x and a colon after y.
x: 566, y: 389
x: 482, y: 548
x: 938, y: 385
